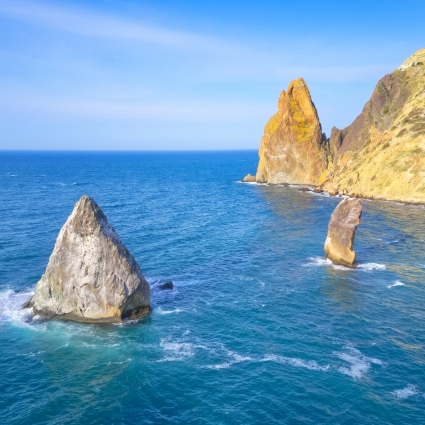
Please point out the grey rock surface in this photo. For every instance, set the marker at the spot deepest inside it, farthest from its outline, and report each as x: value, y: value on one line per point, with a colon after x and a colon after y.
x: 91, y: 276
x: 166, y: 286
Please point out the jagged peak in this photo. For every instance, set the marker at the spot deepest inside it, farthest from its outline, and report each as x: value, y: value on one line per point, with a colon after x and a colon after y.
x: 298, y: 91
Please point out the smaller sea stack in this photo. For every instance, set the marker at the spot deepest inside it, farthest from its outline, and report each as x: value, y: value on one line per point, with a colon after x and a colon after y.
x: 91, y: 276
x: 249, y: 179
x: 341, y: 231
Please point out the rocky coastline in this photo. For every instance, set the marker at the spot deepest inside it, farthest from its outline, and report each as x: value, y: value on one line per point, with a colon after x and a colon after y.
x: 380, y: 156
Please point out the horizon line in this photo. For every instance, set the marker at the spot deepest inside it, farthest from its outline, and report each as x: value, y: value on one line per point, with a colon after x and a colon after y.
x: 127, y: 150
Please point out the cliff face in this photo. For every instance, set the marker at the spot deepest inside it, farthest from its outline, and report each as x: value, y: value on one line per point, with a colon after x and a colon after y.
x: 380, y: 155
x: 291, y: 149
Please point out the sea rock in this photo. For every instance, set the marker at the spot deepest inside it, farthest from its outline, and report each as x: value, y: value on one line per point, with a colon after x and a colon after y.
x: 166, y: 286
x: 293, y: 148
x: 341, y: 231
x: 91, y: 276
x: 249, y: 179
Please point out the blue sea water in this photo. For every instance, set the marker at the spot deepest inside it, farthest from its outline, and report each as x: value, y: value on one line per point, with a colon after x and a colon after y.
x: 260, y: 328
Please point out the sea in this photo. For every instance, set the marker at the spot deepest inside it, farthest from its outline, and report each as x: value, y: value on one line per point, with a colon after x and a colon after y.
x: 259, y: 329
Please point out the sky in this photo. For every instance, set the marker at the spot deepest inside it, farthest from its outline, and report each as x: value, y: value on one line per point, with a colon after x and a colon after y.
x: 188, y: 75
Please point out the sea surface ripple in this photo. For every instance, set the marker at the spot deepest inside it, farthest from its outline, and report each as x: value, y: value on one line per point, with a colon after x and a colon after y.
x: 260, y: 328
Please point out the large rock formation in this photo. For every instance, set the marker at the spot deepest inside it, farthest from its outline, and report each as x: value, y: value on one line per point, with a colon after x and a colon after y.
x: 293, y: 148
x: 341, y: 231
x: 382, y: 153
x: 91, y: 277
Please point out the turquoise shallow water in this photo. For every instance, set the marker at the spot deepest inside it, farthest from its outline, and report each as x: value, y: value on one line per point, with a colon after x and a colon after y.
x: 260, y: 329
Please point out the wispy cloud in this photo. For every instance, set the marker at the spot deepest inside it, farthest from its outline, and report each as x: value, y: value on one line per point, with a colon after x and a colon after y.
x: 218, y: 57
x: 87, y: 23
x: 196, y: 111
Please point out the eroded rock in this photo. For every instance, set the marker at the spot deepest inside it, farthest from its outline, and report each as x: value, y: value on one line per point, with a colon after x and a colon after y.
x: 341, y: 231
x: 91, y: 276
x: 249, y: 179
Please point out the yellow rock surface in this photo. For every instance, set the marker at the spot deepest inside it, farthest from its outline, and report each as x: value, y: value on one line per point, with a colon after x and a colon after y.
x: 380, y: 155
x: 290, y: 150
x: 386, y: 159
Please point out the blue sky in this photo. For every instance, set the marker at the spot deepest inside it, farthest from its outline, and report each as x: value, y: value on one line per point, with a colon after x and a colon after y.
x: 188, y: 74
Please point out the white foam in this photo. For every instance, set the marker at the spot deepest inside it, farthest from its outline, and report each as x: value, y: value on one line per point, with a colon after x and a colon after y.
x: 11, y: 306
x: 397, y: 283
x: 318, y: 261
x: 339, y: 267
x: 359, y: 363
x: 225, y: 365
x: 409, y: 391
x: 122, y: 362
x: 238, y: 358
x: 179, y: 350
x: 161, y: 311
x: 371, y: 266
x: 235, y: 358
x: 253, y: 183
x: 307, y: 364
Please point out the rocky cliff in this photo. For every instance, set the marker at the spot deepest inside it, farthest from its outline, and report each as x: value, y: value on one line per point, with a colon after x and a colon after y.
x: 293, y: 147
x: 380, y: 155
x: 91, y: 276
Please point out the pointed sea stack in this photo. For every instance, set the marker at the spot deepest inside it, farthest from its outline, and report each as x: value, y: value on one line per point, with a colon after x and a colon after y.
x: 293, y: 148
x: 341, y: 231
x: 91, y: 277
